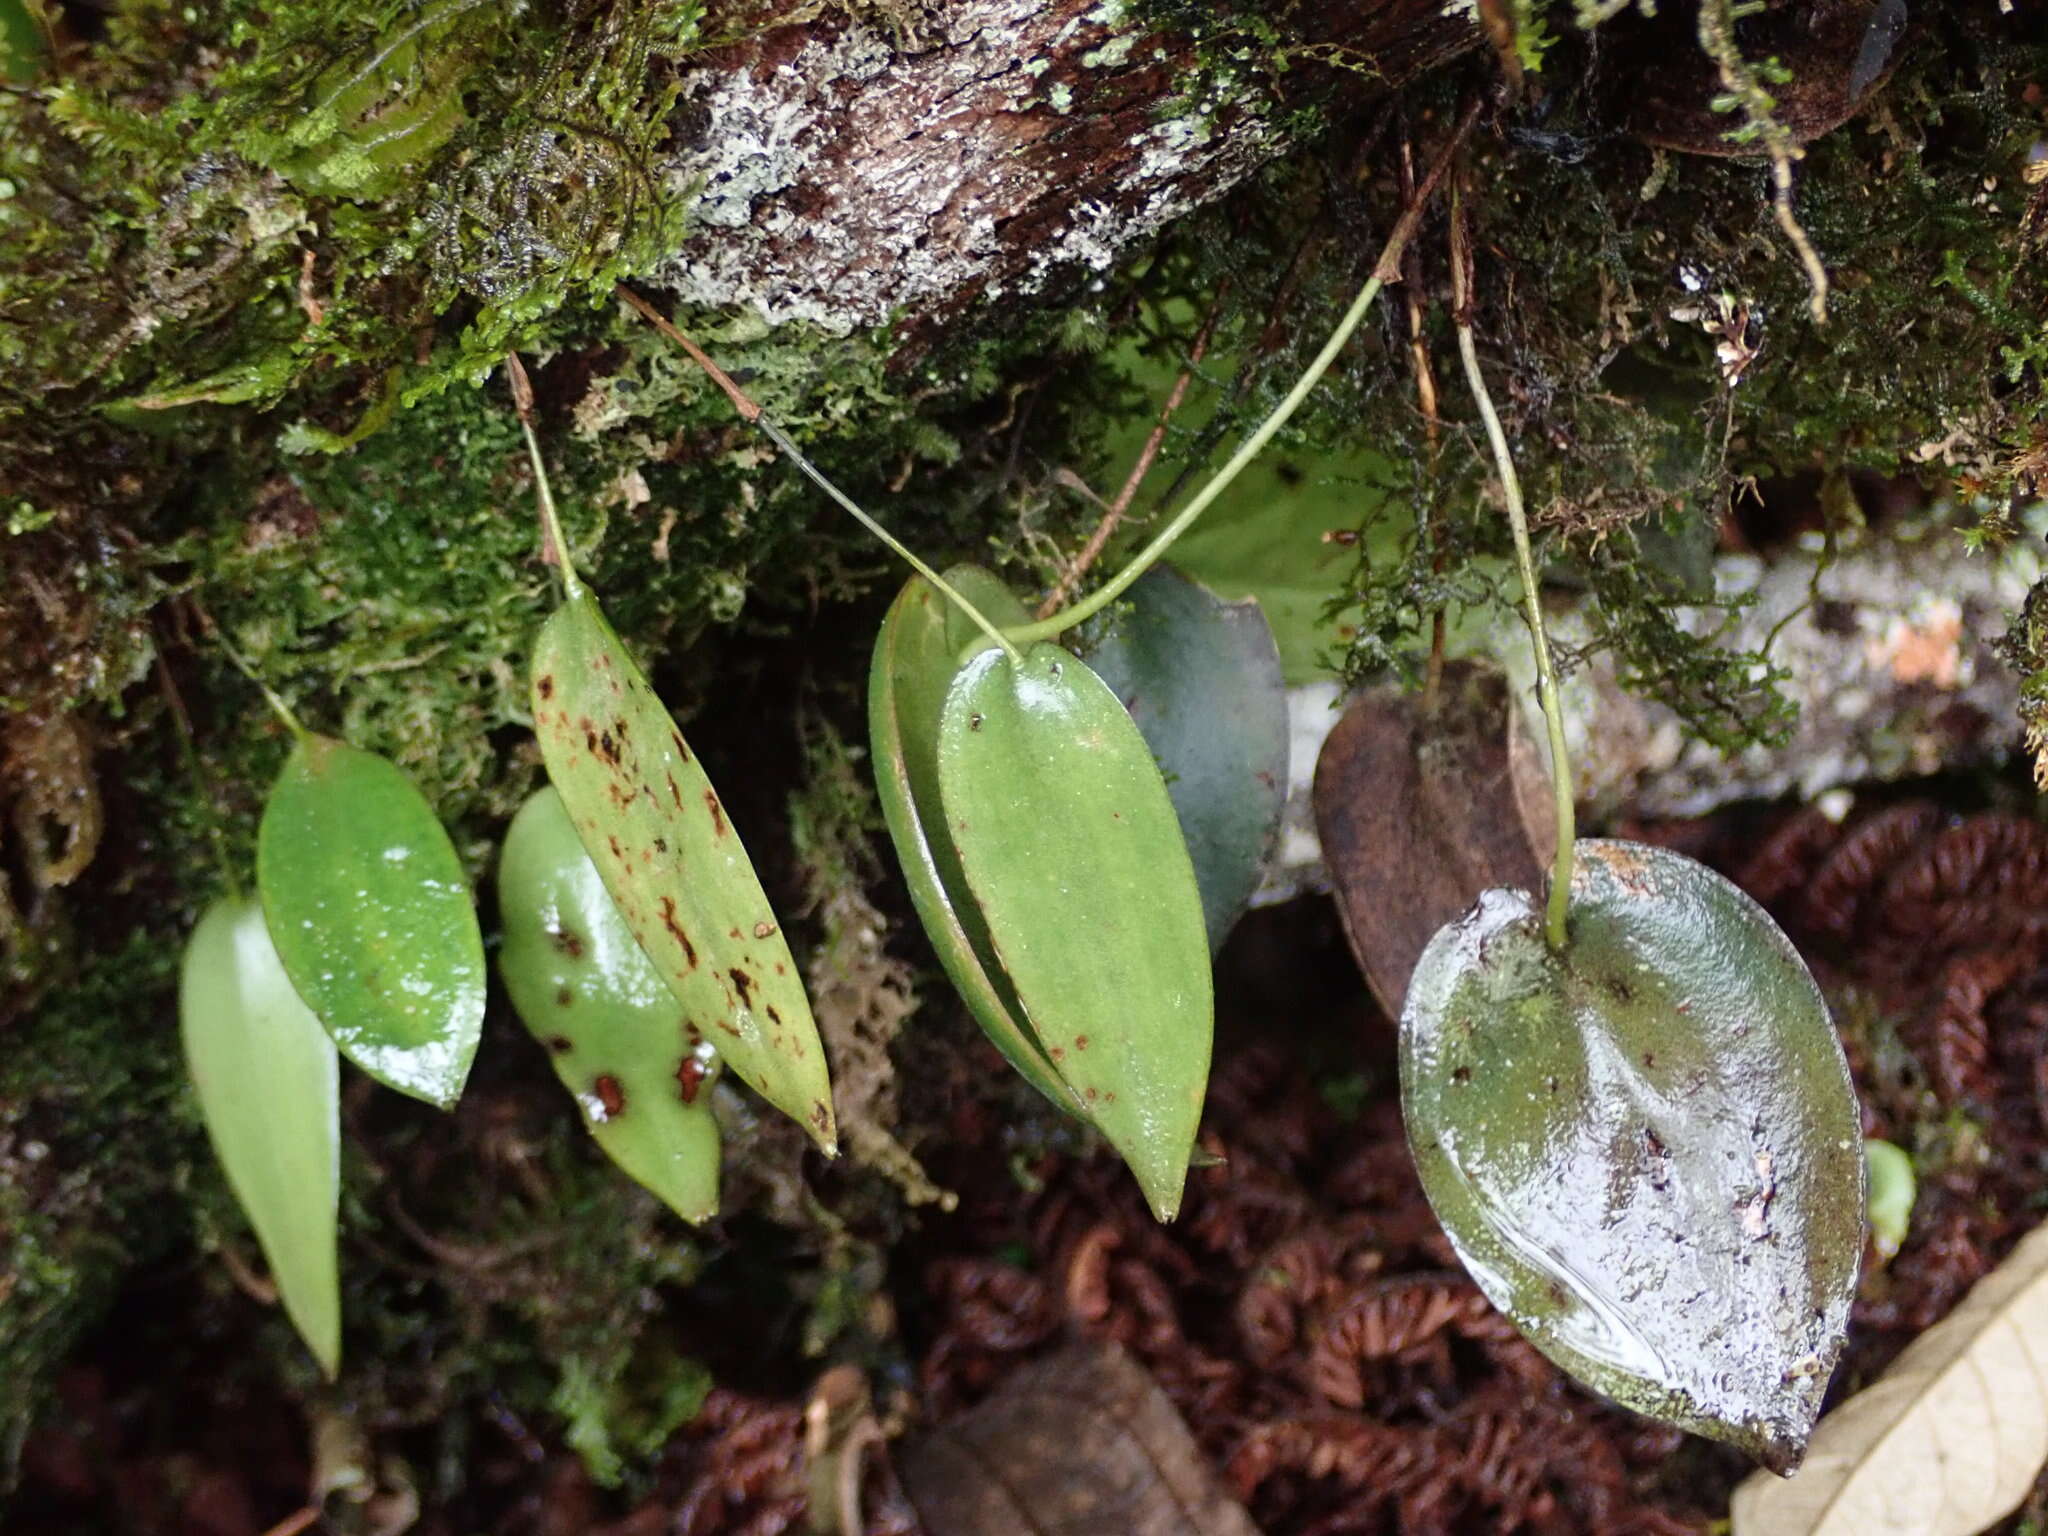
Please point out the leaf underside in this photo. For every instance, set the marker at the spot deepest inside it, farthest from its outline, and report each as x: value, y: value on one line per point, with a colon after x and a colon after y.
x: 1646, y: 1149
x: 1201, y: 677
x: 269, y: 1087
x: 1073, y: 854
x: 675, y: 867
x: 372, y: 917
x: 640, y: 1073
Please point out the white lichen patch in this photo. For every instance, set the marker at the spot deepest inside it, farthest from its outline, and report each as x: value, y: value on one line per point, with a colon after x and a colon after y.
x: 845, y: 182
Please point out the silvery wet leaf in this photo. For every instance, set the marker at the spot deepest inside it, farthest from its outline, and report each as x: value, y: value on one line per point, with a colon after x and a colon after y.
x: 1646, y: 1149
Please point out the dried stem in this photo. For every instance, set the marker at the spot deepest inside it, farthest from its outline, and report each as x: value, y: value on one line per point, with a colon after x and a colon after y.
x: 1739, y: 79
x: 1113, y: 514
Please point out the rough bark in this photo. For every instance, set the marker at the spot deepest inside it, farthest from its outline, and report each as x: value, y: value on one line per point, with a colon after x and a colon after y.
x: 847, y: 177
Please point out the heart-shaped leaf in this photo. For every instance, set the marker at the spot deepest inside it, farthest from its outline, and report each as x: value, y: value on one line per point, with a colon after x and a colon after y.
x: 1071, y: 850
x: 269, y: 1088
x: 655, y: 828
x: 372, y: 918
x: 1422, y: 805
x: 1201, y: 677
x: 1646, y: 1148
x: 916, y: 657
x: 640, y: 1072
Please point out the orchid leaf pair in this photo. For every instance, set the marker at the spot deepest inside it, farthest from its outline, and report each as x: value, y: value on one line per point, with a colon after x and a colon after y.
x: 1047, y: 863
x: 364, y: 940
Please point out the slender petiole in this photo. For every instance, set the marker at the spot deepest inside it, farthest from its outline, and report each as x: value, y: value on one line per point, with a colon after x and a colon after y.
x: 1554, y: 927
x: 752, y: 412
x: 550, y: 520
x: 1387, y: 269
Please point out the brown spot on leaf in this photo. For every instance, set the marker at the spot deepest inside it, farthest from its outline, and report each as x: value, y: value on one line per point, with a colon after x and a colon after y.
x: 764, y: 930
x: 564, y: 997
x: 568, y: 941
x: 1080, y: 1042
x: 661, y: 845
x: 717, y: 812
x: 617, y: 852
x: 1059, y: 1053
x: 611, y: 1095
x: 682, y: 751
x: 675, y: 931
x: 689, y: 1078
x: 745, y: 986
x: 545, y: 686
x: 561, y: 1045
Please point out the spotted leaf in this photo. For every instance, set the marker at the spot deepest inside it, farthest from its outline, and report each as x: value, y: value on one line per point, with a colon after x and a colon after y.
x: 640, y: 1072
x: 673, y: 863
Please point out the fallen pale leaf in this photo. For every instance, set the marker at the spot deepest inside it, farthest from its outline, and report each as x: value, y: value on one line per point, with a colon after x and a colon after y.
x: 1945, y: 1443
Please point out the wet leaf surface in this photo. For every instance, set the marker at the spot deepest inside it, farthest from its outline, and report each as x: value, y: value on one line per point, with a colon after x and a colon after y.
x: 1201, y: 677
x: 673, y: 863
x: 1945, y: 1443
x: 640, y: 1073
x: 916, y: 656
x: 1072, y: 850
x: 1420, y: 809
x: 1646, y: 1150
x: 372, y: 917
x: 269, y: 1086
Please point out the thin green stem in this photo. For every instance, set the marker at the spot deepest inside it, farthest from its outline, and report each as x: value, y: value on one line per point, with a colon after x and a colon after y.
x: 1249, y: 449
x: 1532, y: 611
x: 278, y: 707
x: 550, y: 519
x: 1387, y: 269
x: 749, y: 411
x: 796, y: 456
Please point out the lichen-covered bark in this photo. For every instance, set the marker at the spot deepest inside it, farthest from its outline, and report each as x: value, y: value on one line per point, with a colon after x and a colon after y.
x: 845, y: 178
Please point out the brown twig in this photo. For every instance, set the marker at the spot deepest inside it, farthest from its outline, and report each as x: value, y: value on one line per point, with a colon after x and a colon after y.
x: 1426, y: 403
x: 1113, y: 514
x: 295, y: 1522
x: 654, y: 317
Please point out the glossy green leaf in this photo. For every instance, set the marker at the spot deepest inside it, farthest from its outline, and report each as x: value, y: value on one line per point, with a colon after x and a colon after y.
x: 1072, y: 851
x: 915, y: 659
x: 269, y: 1088
x: 1646, y: 1149
x: 372, y: 917
x: 1201, y: 677
x: 640, y: 1072
x: 659, y: 836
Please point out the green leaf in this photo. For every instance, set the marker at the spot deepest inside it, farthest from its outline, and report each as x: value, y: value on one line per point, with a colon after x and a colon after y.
x: 1892, y: 1190
x: 270, y: 1092
x: 640, y: 1072
x: 1646, y: 1149
x: 372, y: 917
x: 1201, y: 677
x: 654, y: 826
x: 1072, y: 851
x: 916, y: 656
